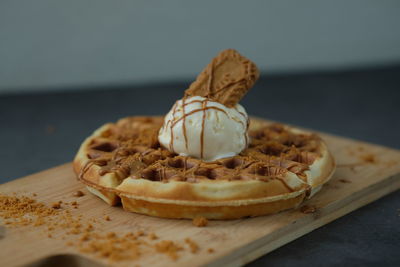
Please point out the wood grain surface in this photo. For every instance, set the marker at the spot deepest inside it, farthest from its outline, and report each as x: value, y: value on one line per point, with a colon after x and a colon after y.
x: 365, y: 172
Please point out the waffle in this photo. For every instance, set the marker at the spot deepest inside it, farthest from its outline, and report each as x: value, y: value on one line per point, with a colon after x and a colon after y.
x: 124, y: 161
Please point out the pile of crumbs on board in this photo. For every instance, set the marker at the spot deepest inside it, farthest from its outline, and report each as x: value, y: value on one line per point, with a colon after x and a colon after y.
x: 85, y: 235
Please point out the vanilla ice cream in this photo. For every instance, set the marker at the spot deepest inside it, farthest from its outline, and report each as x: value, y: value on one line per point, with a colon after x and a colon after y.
x: 204, y: 129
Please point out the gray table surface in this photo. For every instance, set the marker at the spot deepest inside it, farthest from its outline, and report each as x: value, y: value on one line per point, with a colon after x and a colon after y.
x: 41, y: 130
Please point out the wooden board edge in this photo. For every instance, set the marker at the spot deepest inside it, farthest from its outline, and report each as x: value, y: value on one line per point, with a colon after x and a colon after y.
x: 264, y: 245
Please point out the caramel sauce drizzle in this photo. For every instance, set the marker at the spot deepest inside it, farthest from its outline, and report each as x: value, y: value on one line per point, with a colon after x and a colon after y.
x: 281, y: 179
x: 247, y: 125
x: 161, y: 174
x: 88, y: 165
x: 210, y: 79
x: 285, y: 184
x: 85, y: 168
x: 171, y: 142
x: 185, y: 166
x: 275, y: 174
x: 184, y: 122
x: 193, y: 101
x: 198, y: 110
x: 203, y: 107
x: 306, y: 156
x: 202, y: 128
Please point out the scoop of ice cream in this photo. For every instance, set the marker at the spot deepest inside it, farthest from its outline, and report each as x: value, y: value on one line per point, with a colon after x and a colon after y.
x: 201, y: 128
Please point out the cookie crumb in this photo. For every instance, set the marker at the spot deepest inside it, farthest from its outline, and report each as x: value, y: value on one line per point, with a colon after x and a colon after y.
x: 152, y: 236
x: 111, y: 235
x: 89, y: 227
x: 79, y: 193
x: 74, y: 204
x: 84, y: 237
x: 368, y: 158
x: 308, y: 209
x: 169, y: 248
x: 210, y: 250
x: 140, y: 233
x: 193, y: 245
x: 200, y: 221
x: 56, y: 205
x: 107, y: 218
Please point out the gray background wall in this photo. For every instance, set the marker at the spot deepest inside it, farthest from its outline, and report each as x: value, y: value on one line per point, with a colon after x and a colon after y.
x: 53, y: 45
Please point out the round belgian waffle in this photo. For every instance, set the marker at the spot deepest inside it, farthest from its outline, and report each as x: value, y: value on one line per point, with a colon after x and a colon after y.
x: 281, y: 168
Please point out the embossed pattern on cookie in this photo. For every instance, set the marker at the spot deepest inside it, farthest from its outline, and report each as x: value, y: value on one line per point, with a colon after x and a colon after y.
x: 226, y: 79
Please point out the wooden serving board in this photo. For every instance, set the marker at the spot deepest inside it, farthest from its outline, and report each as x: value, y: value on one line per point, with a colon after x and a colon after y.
x: 365, y: 172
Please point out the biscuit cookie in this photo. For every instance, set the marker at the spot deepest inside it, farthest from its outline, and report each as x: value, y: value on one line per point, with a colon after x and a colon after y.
x: 226, y: 79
